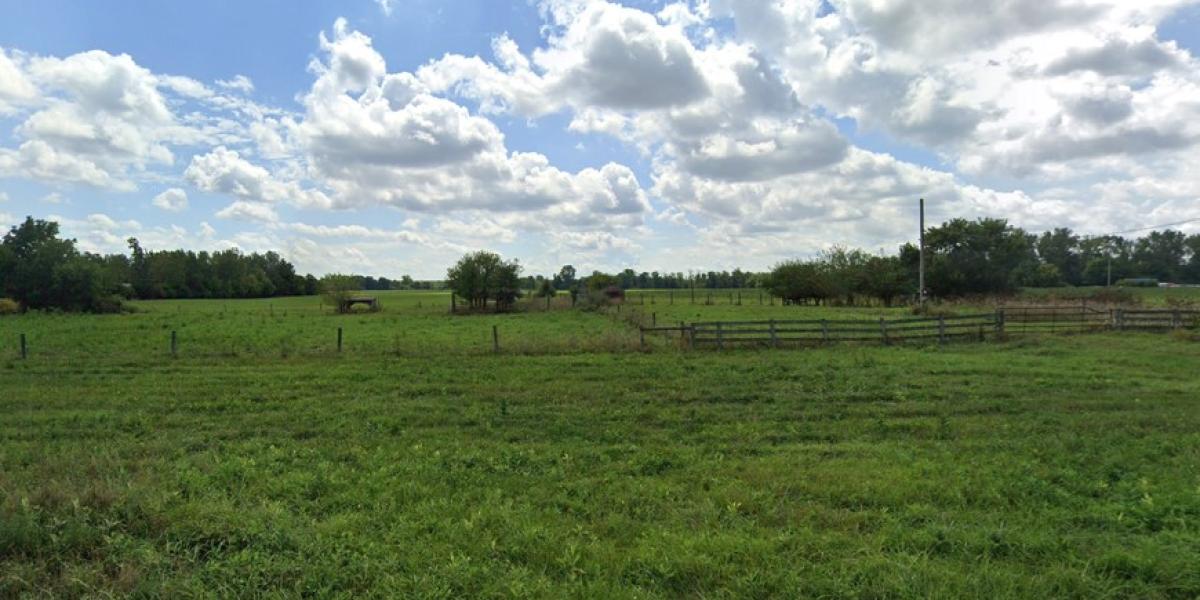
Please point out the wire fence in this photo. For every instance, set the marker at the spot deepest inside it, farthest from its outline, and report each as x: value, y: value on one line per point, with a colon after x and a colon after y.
x: 643, y: 332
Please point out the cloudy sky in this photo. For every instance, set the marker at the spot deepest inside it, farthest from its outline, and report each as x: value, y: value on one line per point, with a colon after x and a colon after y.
x: 389, y: 136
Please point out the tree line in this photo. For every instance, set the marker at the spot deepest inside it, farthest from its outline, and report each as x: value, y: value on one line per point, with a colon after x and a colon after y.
x: 989, y: 256
x: 568, y: 279
x: 41, y: 270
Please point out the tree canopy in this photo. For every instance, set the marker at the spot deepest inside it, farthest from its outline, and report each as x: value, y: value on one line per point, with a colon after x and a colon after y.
x: 480, y: 277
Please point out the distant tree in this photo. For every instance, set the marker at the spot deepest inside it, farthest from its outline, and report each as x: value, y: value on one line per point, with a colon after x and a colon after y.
x: 546, y: 289
x: 482, y: 276
x: 1039, y: 275
x: 976, y: 257
x: 312, y: 286
x: 1060, y: 248
x: 1161, y: 255
x: 337, y: 289
x: 845, y: 271
x: 139, y: 270
x: 598, y: 281
x: 885, y: 278
x: 801, y: 281
x: 565, y: 279
x: 1191, y: 271
x: 40, y: 270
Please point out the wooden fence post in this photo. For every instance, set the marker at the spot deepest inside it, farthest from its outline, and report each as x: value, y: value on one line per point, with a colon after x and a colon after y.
x: 720, y: 337
x: 999, y: 322
x: 174, y: 346
x: 739, y: 298
x: 824, y: 331
x: 642, y: 336
x: 495, y: 340
x: 692, y: 337
x: 24, y: 350
x: 654, y: 319
x: 453, y: 304
x: 774, y: 336
x: 547, y: 302
x: 339, y: 339
x: 1176, y: 320
x: 941, y: 329
x: 1120, y: 319
x: 670, y: 297
x: 883, y: 330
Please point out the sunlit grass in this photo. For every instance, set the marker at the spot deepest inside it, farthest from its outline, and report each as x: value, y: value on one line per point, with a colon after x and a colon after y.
x: 1042, y: 467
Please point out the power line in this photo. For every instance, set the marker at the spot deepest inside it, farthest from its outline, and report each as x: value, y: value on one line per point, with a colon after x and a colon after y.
x: 1175, y: 224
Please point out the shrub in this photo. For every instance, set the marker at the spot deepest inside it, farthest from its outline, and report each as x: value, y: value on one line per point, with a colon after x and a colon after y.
x: 8, y: 306
x: 337, y: 289
x: 1138, y: 282
x: 1114, y: 296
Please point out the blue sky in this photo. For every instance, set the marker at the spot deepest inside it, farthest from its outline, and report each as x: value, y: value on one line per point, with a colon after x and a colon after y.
x: 391, y: 138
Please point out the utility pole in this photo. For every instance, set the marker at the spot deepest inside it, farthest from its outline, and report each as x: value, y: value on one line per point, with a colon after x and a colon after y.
x: 921, y: 261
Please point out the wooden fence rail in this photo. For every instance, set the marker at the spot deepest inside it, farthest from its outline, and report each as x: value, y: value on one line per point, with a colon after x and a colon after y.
x: 980, y: 326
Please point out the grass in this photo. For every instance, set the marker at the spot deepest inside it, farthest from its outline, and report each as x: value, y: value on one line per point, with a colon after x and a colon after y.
x: 1042, y: 467
x: 1152, y: 297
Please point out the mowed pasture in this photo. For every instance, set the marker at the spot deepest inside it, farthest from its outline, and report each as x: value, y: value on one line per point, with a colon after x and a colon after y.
x: 418, y: 463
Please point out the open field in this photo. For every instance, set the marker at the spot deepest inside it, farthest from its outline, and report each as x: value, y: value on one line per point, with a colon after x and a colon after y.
x: 416, y: 463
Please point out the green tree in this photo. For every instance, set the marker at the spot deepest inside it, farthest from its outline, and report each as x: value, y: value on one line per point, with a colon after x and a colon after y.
x: 885, y: 278
x: 1161, y: 255
x: 1060, y: 248
x: 40, y: 270
x: 338, y: 289
x: 976, y: 257
x: 480, y: 277
x: 798, y: 281
x: 565, y: 279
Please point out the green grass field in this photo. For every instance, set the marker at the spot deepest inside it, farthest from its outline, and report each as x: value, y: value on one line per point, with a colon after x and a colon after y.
x: 416, y: 463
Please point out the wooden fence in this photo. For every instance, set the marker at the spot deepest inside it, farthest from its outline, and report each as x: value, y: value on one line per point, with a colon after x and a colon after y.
x: 777, y: 333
